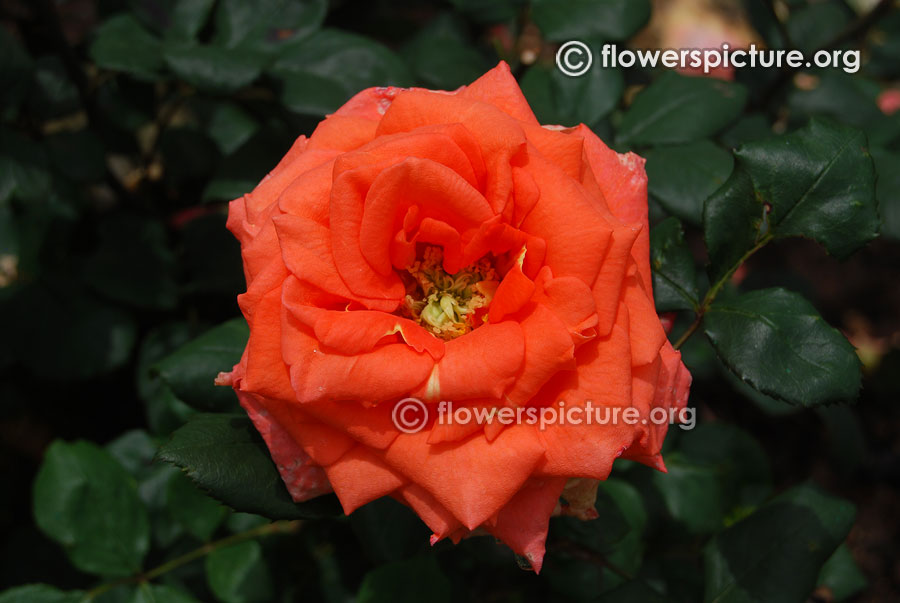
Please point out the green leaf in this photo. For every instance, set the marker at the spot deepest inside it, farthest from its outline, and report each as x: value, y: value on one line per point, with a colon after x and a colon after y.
x: 177, y: 19
x: 197, y: 512
x: 717, y: 474
x: 775, y: 340
x: 678, y: 108
x: 214, y: 69
x: 239, y: 574
x: 122, y: 44
x: 405, y: 582
x: 39, y: 593
x: 225, y: 457
x: 160, y: 593
x: 442, y: 55
x: 87, y: 502
x: 266, y: 24
x: 674, y: 273
x: 134, y: 450
x: 563, y: 20
x: 841, y: 576
x: 692, y: 493
x: 559, y: 99
x: 617, y: 534
x: 230, y: 127
x: 315, y: 74
x: 811, y: 27
x: 681, y: 177
x: 192, y: 369
x: 820, y: 183
x: 817, y: 182
x: 749, y: 127
x: 775, y: 554
x: 165, y: 412
x: 887, y: 190
x: 132, y: 263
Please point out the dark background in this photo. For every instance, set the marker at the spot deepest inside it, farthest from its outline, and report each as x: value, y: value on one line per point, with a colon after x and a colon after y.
x: 120, y: 145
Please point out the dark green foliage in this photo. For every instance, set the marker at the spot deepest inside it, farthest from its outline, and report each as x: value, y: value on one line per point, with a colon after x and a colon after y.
x: 126, y: 127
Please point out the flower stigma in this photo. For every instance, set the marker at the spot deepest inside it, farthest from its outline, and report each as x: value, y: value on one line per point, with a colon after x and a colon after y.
x: 448, y: 305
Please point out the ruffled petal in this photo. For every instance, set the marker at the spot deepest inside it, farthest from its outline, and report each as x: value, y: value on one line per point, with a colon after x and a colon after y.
x: 359, y: 477
x: 499, y: 88
x: 473, y: 479
x: 523, y: 522
x: 481, y: 364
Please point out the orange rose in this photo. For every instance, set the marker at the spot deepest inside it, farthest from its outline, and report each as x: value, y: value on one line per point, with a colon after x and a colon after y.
x: 447, y: 247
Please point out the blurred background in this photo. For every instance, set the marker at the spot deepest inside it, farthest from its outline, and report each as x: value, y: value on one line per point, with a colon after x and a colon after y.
x: 127, y: 125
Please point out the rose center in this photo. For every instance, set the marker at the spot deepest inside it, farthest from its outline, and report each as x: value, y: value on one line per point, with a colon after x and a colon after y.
x: 448, y: 305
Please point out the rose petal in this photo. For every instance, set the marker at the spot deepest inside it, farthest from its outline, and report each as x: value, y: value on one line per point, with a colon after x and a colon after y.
x: 472, y: 479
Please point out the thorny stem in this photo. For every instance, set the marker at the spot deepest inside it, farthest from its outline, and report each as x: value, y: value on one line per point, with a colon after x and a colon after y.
x: 278, y: 527
x: 715, y: 289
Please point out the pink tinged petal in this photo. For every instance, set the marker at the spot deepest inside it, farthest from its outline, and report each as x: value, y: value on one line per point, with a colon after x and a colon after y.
x: 302, y: 476
x: 359, y: 477
x: 498, y: 87
x: 473, y: 479
x: 522, y: 524
x: 480, y: 364
x: 323, y: 443
x: 438, y: 519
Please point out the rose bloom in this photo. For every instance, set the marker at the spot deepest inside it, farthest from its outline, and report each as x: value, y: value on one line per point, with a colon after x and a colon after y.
x: 446, y: 246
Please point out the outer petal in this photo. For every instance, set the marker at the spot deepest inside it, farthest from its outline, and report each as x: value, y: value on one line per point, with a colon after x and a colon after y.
x: 498, y: 87
x: 360, y: 477
x: 473, y: 479
x: 522, y: 524
x: 623, y: 180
